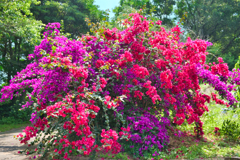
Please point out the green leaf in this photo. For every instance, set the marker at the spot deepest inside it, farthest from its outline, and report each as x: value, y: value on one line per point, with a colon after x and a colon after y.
x: 54, y: 48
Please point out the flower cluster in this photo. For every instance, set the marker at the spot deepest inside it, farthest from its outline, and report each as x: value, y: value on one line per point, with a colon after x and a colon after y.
x: 110, y: 141
x: 220, y: 86
x: 148, y: 132
x: 216, y: 131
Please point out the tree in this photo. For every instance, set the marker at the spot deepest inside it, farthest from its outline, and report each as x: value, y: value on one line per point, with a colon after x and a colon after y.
x: 19, y: 32
x: 214, y: 20
x: 72, y: 12
x: 161, y: 9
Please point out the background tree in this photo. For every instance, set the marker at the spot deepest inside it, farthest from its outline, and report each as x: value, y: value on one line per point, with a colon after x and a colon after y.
x: 19, y: 32
x: 215, y: 20
x: 72, y: 12
x: 162, y: 8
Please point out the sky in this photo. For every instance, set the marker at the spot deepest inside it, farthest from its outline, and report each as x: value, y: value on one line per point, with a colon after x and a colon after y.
x: 107, y: 4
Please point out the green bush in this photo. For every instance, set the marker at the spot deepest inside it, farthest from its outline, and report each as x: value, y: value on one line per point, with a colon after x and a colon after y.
x: 10, y: 113
x: 10, y: 110
x: 230, y: 129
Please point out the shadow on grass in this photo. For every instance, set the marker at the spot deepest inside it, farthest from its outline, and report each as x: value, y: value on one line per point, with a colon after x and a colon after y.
x: 210, y: 146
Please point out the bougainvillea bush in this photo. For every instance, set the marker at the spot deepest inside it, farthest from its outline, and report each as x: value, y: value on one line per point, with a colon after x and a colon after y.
x: 117, y: 90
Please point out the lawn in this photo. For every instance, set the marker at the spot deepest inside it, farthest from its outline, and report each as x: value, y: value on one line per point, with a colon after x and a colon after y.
x: 7, y: 127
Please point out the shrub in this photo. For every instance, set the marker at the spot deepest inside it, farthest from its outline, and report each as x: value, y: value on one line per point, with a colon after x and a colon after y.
x: 230, y: 129
x: 93, y: 86
x: 12, y: 115
x: 10, y: 112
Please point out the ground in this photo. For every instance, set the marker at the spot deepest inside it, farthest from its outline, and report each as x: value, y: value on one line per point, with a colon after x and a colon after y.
x: 9, y: 146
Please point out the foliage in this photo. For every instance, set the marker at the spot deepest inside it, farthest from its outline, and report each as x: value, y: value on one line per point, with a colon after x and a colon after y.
x: 72, y: 12
x: 217, y: 21
x: 19, y: 32
x: 92, y: 86
x: 215, y: 51
x: 230, y: 129
x: 157, y: 9
x: 119, y: 18
x: 10, y: 113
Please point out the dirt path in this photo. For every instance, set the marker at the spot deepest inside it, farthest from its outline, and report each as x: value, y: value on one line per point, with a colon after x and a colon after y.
x: 9, y: 146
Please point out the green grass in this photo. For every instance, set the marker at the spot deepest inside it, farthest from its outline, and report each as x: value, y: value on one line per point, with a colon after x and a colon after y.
x: 210, y: 147
x: 7, y: 127
x: 214, y: 147
x: 122, y: 156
